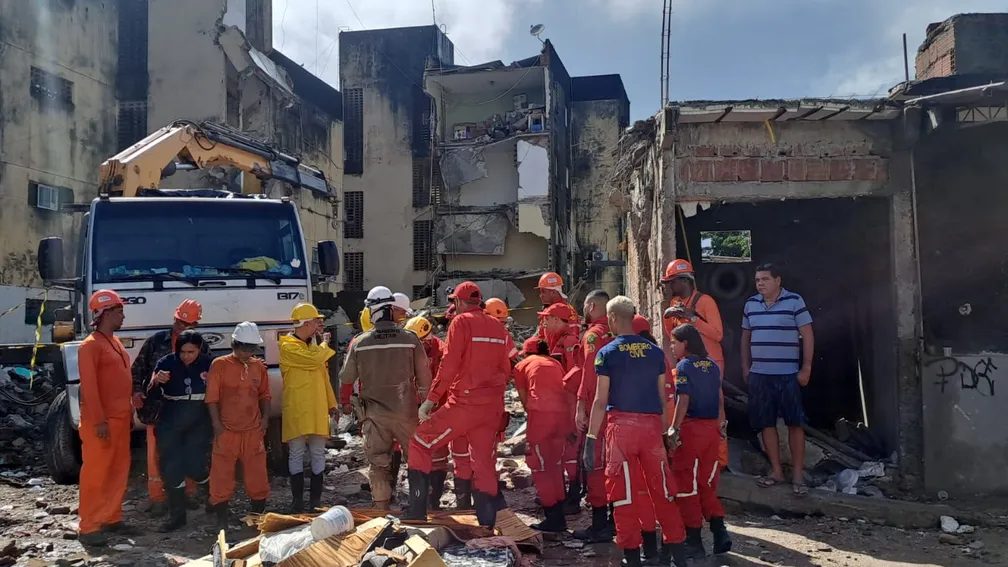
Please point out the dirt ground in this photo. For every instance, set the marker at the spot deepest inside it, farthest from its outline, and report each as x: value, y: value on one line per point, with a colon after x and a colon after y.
x: 38, y: 523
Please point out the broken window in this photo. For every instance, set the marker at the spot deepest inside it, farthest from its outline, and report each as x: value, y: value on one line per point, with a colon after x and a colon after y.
x: 354, y: 226
x: 421, y: 182
x: 422, y: 245
x: 52, y: 91
x: 421, y: 123
x: 353, y: 263
x: 353, y: 130
x: 131, y: 123
x: 726, y: 246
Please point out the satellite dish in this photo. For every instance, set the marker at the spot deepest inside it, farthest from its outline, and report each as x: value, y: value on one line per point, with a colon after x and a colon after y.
x: 536, y: 29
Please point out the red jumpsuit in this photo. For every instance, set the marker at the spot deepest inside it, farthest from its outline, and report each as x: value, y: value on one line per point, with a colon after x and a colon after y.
x: 596, y: 337
x: 434, y: 347
x: 566, y: 348
x: 539, y: 381
x: 473, y: 373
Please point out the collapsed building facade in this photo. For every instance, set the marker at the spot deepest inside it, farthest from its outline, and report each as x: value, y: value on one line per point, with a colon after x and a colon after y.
x: 882, y: 214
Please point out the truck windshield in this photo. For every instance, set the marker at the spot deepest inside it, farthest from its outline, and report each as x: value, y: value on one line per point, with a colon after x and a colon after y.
x: 219, y: 239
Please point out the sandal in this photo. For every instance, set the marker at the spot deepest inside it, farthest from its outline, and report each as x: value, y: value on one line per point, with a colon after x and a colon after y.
x: 799, y: 489
x: 768, y: 481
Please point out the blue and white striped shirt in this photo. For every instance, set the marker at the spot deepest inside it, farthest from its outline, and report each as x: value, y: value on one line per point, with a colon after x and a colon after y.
x: 775, y: 347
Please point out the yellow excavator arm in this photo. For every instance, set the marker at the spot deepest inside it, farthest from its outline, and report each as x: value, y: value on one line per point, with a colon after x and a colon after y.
x: 200, y: 146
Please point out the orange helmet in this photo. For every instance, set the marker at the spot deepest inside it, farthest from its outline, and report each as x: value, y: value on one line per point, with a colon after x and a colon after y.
x: 189, y: 311
x: 550, y: 280
x: 676, y: 268
x: 103, y: 300
x: 496, y: 308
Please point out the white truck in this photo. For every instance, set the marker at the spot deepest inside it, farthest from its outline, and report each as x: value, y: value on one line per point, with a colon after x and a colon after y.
x: 243, y: 257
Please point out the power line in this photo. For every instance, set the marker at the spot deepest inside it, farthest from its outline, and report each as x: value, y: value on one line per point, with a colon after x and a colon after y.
x: 283, y: 18
x: 355, y: 15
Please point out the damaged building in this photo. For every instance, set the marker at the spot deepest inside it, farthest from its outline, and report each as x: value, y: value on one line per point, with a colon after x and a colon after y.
x: 881, y: 213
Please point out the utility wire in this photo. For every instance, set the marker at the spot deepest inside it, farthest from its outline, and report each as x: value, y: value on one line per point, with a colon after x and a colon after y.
x: 355, y: 15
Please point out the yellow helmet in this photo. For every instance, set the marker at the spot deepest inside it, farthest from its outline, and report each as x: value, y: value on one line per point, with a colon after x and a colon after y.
x: 305, y: 312
x: 420, y: 326
x: 365, y: 320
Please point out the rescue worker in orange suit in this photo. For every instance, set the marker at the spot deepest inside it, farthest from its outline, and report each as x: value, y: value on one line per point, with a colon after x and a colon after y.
x: 550, y: 290
x: 564, y: 345
x: 688, y: 305
x: 238, y: 397
x: 157, y: 346
x: 474, y: 373
x: 106, y: 420
x: 539, y: 382
x: 596, y: 337
x: 308, y: 401
x: 630, y: 392
x: 393, y: 369
x: 697, y: 431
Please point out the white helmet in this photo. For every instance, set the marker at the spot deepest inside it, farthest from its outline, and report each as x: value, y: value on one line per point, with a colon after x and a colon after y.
x: 379, y: 295
x: 247, y: 333
x: 402, y: 301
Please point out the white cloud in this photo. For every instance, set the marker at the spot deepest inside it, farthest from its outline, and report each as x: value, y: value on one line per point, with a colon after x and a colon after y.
x: 477, y: 28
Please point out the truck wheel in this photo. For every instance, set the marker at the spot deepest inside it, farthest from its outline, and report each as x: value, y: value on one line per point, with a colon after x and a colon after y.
x: 276, y: 450
x: 62, y: 445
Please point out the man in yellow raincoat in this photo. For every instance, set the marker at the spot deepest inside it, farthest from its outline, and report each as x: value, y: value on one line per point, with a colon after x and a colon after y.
x: 308, y: 401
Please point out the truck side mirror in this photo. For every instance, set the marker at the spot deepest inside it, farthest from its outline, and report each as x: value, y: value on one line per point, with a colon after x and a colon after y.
x: 328, y: 258
x: 50, y: 258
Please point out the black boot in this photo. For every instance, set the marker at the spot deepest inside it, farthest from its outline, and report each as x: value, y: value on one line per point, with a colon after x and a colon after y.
x: 572, y: 501
x: 203, y: 490
x: 555, y: 520
x: 486, y: 508
x: 599, y: 531
x: 176, y: 510
x: 396, y: 465
x: 315, y: 492
x: 631, y: 557
x: 463, y: 494
x: 419, y: 492
x: 437, y: 480
x: 674, y: 554
x: 694, y: 545
x: 722, y: 541
x: 297, y: 493
x: 650, y: 548
x: 257, y: 506
x: 222, y: 515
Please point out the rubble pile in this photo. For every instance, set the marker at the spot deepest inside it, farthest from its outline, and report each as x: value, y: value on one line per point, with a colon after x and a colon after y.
x: 24, y: 403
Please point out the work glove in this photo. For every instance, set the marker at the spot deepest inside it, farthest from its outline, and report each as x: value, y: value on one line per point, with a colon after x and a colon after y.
x: 672, y: 441
x: 425, y: 410
x: 588, y: 454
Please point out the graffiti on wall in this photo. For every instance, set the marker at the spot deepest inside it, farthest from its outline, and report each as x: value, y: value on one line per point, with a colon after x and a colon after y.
x: 973, y: 373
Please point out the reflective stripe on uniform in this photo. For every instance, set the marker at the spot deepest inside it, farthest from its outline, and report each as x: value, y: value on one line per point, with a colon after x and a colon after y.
x: 696, y: 465
x: 713, y: 472
x: 626, y: 487
x: 434, y: 442
x: 664, y: 481
x: 185, y: 398
x: 377, y: 347
x: 489, y: 340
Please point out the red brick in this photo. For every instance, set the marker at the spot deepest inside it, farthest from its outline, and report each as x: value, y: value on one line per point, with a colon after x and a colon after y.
x: 704, y: 151
x: 725, y: 170
x: 882, y: 170
x: 701, y: 170
x: 729, y: 151
x: 683, y: 170
x: 795, y: 169
x: 864, y: 169
x: 816, y: 169
x: 772, y: 170
x: 748, y: 169
x: 839, y: 169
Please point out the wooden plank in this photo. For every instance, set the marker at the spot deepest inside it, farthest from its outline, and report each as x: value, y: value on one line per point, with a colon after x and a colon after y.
x: 245, y: 548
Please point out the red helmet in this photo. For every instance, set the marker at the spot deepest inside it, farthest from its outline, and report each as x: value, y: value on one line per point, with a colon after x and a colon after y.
x: 676, y: 268
x: 103, y: 300
x: 641, y: 324
x: 189, y: 311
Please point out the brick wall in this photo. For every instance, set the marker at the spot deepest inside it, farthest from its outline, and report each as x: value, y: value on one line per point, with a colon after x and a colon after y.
x: 964, y: 44
x: 936, y: 56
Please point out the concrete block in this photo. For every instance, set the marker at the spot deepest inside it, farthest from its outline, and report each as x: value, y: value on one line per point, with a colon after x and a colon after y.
x: 748, y: 169
x: 725, y: 170
x: 816, y: 169
x: 864, y: 169
x: 702, y: 171
x: 729, y: 150
x: 840, y: 169
x: 796, y: 169
x: 772, y: 170
x: 704, y: 151
x: 683, y: 170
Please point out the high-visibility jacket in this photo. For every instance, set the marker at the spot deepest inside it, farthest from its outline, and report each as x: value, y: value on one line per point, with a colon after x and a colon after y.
x: 307, y: 392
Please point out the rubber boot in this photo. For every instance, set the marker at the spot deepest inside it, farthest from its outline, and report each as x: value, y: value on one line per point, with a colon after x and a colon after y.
x: 498, y: 501
x: 572, y: 501
x: 93, y: 539
x: 486, y: 508
x: 158, y: 509
x: 203, y: 489
x: 396, y: 465
x: 419, y: 492
x: 437, y: 480
x: 599, y: 531
x: 222, y: 515
x: 297, y: 493
x: 315, y: 492
x: 555, y: 520
x: 694, y: 544
x: 631, y: 557
x: 463, y: 494
x: 257, y: 506
x: 176, y: 510
x: 674, y: 554
x: 722, y: 541
x: 650, y: 548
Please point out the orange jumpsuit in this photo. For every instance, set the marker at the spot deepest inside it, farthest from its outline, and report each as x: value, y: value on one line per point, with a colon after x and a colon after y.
x: 106, y: 390
x: 566, y: 348
x: 539, y: 381
x: 238, y: 388
x: 596, y: 337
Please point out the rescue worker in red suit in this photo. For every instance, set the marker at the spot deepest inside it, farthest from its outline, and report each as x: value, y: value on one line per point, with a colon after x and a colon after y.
x: 434, y: 348
x: 697, y: 431
x: 474, y: 372
x: 550, y: 290
x: 539, y: 382
x: 630, y: 392
x: 596, y: 337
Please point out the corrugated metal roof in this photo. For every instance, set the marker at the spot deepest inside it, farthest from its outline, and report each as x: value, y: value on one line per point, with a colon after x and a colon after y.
x: 784, y: 110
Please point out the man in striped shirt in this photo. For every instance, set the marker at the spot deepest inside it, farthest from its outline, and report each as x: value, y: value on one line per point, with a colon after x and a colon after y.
x: 777, y: 350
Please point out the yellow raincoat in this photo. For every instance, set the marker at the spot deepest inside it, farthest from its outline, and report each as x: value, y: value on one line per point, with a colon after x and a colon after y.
x: 307, y: 392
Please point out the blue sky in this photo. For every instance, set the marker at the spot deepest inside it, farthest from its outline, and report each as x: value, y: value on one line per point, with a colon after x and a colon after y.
x: 721, y: 49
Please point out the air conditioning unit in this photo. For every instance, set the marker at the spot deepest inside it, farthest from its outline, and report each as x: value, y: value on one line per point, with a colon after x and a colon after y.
x: 47, y: 198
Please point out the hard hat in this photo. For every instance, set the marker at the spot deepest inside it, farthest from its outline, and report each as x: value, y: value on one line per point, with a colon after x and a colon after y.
x: 551, y: 280
x: 379, y: 295
x: 103, y: 300
x: 420, y: 326
x: 247, y: 333
x: 531, y: 345
x: 189, y: 311
x: 496, y: 308
x: 402, y: 301
x: 365, y: 320
x: 640, y: 324
x: 561, y: 310
x: 305, y: 312
x: 466, y: 291
x: 677, y: 268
